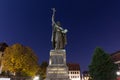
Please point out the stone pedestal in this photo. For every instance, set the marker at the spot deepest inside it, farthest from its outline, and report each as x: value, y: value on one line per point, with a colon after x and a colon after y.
x: 57, y: 69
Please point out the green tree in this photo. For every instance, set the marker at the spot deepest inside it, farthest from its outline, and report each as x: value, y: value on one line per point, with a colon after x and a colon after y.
x: 102, y: 67
x: 43, y: 68
x: 21, y: 60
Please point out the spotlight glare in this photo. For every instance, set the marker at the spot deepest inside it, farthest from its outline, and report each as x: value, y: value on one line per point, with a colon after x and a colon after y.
x: 118, y: 73
x: 36, y: 78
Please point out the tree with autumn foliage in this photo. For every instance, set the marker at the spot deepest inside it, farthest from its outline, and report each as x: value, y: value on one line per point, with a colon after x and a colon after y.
x: 19, y: 59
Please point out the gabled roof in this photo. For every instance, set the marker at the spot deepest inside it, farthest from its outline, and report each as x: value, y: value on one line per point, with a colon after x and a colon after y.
x: 85, y: 73
x: 73, y: 66
x: 115, y: 56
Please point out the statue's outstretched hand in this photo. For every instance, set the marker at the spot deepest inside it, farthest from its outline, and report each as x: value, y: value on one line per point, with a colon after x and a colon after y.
x: 65, y: 31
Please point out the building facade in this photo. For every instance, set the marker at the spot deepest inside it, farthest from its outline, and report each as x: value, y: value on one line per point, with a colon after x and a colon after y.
x: 74, y: 71
x: 85, y: 75
x: 116, y: 58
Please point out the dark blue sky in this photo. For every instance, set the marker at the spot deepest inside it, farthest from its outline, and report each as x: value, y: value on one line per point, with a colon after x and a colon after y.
x: 91, y: 23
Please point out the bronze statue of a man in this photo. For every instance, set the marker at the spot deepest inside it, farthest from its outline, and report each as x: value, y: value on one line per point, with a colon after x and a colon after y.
x: 58, y: 34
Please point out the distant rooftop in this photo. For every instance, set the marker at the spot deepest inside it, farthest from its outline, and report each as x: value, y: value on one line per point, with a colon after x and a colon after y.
x: 85, y: 72
x: 72, y: 66
x: 116, y: 56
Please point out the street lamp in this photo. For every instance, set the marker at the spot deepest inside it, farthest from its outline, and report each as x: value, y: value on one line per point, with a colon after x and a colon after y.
x: 118, y: 73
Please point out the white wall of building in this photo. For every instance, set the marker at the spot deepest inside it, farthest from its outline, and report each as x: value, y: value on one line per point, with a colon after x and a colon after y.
x: 74, y: 75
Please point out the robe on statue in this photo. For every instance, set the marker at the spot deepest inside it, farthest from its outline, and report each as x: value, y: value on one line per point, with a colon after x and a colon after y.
x: 58, y: 37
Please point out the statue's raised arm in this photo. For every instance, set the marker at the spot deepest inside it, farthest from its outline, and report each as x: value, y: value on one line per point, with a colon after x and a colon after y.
x: 53, y: 16
x: 58, y: 34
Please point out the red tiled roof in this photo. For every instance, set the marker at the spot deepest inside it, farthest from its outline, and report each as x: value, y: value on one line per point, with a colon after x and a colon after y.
x: 72, y: 66
x: 116, y: 56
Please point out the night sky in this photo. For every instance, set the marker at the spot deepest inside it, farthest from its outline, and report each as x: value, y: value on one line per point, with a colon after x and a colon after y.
x: 90, y: 24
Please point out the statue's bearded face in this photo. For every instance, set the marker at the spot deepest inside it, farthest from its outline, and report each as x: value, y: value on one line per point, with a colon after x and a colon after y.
x: 58, y: 23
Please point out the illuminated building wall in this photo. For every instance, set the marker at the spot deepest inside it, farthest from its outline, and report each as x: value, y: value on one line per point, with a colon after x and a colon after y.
x: 74, y: 71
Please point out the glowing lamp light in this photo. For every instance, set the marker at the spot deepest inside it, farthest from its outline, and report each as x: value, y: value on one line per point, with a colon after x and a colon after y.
x: 118, y: 73
x: 36, y: 78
